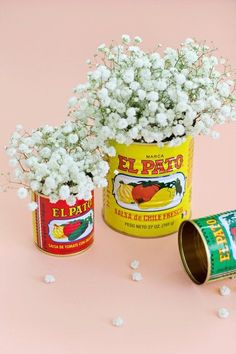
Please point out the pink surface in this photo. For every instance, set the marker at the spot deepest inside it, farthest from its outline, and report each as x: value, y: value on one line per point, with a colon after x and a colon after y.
x: 44, y: 45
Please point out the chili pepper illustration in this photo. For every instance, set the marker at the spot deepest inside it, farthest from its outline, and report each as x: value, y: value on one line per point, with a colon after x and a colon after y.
x: 71, y: 227
x: 79, y: 231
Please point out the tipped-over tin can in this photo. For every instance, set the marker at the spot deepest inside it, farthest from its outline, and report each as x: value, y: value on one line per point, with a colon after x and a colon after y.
x: 208, y: 247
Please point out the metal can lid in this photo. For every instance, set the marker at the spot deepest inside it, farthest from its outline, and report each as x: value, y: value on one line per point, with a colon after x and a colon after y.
x: 194, y: 252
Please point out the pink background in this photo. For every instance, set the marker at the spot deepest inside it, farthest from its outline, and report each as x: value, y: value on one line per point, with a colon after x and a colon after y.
x: 44, y: 45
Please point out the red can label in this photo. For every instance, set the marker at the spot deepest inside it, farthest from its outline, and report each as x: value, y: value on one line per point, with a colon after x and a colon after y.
x: 61, y: 229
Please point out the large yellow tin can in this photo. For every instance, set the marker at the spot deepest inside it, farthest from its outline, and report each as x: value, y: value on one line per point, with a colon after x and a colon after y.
x: 149, y: 188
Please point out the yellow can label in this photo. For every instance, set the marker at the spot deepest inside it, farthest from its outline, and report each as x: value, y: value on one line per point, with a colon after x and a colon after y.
x: 149, y: 188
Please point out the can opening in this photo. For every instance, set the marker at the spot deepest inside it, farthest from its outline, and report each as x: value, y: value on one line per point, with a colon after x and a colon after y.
x: 193, y: 252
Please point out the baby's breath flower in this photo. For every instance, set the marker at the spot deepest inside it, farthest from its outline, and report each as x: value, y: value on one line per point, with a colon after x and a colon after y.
x: 128, y: 75
x: 71, y: 200
x: 178, y: 130
x: 126, y: 38
x: 138, y: 39
x: 152, y: 97
x: 58, y: 162
x: 22, y: 193
x: 73, y: 138
x: 101, y: 47
x: 13, y: 162
x: 11, y: 151
x: 50, y: 182
x: 72, y: 101
x: 35, y: 185
x: 32, y: 206
x: 19, y: 127
x: 45, y: 152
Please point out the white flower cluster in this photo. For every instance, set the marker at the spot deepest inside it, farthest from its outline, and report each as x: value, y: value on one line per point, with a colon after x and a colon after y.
x: 138, y: 96
x: 59, y: 162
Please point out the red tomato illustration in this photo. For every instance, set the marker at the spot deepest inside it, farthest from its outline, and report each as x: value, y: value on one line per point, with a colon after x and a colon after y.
x: 233, y: 232
x: 142, y: 193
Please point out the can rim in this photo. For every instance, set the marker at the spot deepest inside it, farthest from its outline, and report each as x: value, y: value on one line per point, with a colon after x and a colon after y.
x: 46, y: 197
x: 188, y: 138
x: 182, y: 255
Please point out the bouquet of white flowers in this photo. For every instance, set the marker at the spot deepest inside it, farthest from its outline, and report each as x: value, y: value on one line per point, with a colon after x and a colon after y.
x: 61, y: 162
x: 137, y: 96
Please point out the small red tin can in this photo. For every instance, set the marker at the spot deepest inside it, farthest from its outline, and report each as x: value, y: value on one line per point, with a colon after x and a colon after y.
x: 60, y: 229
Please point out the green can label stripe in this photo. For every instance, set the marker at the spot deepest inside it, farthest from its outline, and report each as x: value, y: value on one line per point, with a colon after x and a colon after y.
x: 219, y: 231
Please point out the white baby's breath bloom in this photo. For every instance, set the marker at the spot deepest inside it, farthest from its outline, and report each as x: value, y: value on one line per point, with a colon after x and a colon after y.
x: 118, y: 321
x: 11, y: 151
x: 71, y: 200
x: 19, y: 127
x: 64, y: 192
x: 54, y: 198
x: 178, y: 130
x: 131, y: 112
x: 224, y: 89
x: 223, y: 312
x: 134, y: 85
x: 32, y: 206
x: 161, y: 119
x: 72, y: 101
x: 161, y: 85
x: 47, y: 129
x: 126, y: 38
x: 152, y: 106
x: 45, y: 152
x: 13, y: 162
x: 22, y: 193
x: 53, y: 167
x: 122, y: 123
x: 138, y: 39
x: 152, y: 96
x: 135, y: 264
x: 181, y: 107
x: 215, y: 135
x: 141, y: 94
x: 226, y: 110
x: 49, y: 279
x: 188, y: 121
x: 128, y: 76
x: 100, y: 182
x: 180, y: 79
x: 101, y: 47
x: 224, y: 290
x: 35, y: 185
x: 96, y: 75
x: 175, y: 94
x: 111, y: 85
x: 73, y: 138
x: 136, y: 276
x: 50, y: 182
